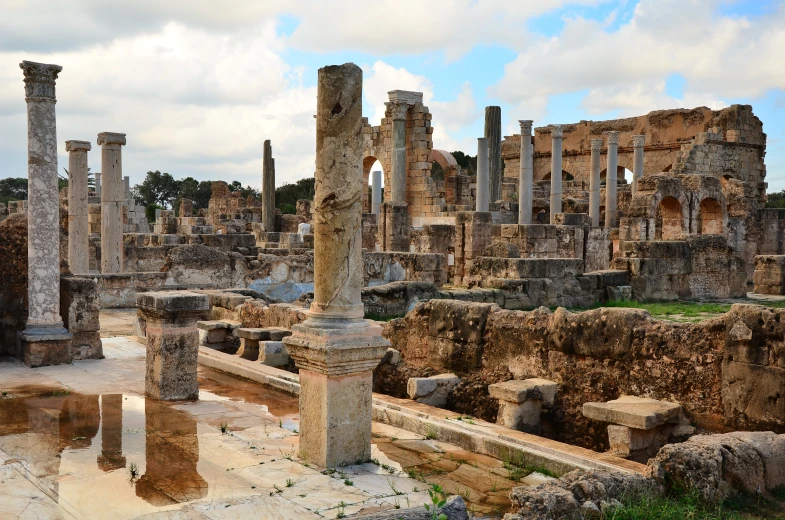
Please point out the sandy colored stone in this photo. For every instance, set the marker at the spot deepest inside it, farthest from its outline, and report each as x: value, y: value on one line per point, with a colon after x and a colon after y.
x: 634, y: 412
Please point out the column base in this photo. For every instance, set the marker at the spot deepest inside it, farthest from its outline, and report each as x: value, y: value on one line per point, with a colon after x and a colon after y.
x: 41, y: 345
x: 336, y: 359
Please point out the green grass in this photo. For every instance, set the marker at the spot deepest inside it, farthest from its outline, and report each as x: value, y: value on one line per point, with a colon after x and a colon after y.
x: 688, y: 506
x: 682, y: 310
x: 379, y: 317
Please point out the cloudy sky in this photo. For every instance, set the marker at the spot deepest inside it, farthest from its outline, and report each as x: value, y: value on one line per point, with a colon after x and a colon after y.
x: 197, y: 88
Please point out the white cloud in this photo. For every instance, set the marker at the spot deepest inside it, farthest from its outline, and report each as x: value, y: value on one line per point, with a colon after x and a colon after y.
x: 381, y: 78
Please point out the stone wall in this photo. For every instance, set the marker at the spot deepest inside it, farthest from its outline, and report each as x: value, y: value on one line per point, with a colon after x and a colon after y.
x: 769, y: 276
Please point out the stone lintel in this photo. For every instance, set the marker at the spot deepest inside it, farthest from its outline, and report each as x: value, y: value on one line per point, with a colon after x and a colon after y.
x: 165, y: 304
x: 635, y: 412
x: 107, y: 138
x: 340, y: 348
x: 407, y: 96
x: 76, y: 146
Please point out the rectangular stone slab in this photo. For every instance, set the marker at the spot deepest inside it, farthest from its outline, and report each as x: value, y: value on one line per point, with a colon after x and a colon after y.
x: 635, y: 412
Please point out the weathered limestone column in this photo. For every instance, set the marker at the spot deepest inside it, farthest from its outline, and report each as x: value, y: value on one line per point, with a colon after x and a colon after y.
x: 376, y: 192
x: 493, y: 132
x: 398, y: 177
x: 611, y: 180
x: 111, y: 202
x: 336, y: 349
x: 78, y: 228
x: 637, y: 160
x: 483, y: 181
x: 98, y: 184
x: 44, y: 341
x: 172, y: 342
x: 556, y: 189
x: 526, y: 180
x: 594, y: 182
x: 268, y: 188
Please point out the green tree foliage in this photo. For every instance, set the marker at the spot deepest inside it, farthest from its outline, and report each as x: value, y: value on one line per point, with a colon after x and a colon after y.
x: 244, y: 192
x: 776, y: 200
x: 286, y: 196
x: 157, y: 188
x: 437, y: 172
x: 198, y: 192
x: 467, y: 163
x: 13, y: 188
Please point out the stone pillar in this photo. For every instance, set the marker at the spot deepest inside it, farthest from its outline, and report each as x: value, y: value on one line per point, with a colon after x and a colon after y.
x: 556, y: 189
x: 398, y: 177
x: 268, y: 189
x: 611, y: 180
x: 526, y: 179
x: 483, y: 181
x: 394, y: 227
x: 172, y: 342
x: 336, y: 349
x: 493, y: 132
x: 637, y: 160
x: 44, y: 341
x: 98, y: 184
x: 111, y: 202
x: 78, y: 232
x: 376, y: 192
x: 126, y: 187
x: 594, y: 182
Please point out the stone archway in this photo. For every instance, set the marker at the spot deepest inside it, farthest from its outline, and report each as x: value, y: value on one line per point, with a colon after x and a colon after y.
x: 670, y: 219
x: 710, y: 217
x: 368, y: 163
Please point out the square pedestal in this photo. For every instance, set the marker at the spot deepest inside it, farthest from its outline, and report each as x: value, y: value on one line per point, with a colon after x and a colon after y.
x: 42, y: 349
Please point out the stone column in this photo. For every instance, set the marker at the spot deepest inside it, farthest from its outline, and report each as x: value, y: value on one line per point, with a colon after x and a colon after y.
x: 172, y: 342
x: 78, y: 232
x: 526, y: 179
x: 126, y: 187
x: 336, y: 349
x: 556, y: 190
x: 376, y: 192
x: 611, y: 180
x: 398, y: 177
x: 111, y: 202
x: 594, y: 182
x: 268, y: 189
x: 44, y: 341
x: 493, y: 132
x: 637, y: 160
x: 483, y: 181
x: 98, y: 184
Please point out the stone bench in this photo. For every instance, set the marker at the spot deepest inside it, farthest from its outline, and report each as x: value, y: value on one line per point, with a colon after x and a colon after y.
x: 263, y: 344
x: 520, y: 402
x: 216, y: 333
x: 639, y: 426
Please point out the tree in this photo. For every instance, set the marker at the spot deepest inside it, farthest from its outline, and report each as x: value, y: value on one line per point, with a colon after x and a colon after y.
x: 776, y: 200
x: 467, y: 163
x: 286, y: 196
x: 244, y: 192
x: 157, y: 188
x: 13, y: 188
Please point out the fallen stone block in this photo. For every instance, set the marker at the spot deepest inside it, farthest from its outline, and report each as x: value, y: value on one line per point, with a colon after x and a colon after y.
x: 433, y: 390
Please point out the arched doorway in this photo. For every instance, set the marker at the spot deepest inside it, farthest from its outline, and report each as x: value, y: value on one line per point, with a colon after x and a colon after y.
x: 370, y: 164
x: 710, y: 217
x: 670, y: 220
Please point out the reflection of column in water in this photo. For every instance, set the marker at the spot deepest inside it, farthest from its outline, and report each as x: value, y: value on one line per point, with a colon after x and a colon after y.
x: 171, y: 455
x: 111, y: 457
x: 79, y: 421
x: 43, y: 440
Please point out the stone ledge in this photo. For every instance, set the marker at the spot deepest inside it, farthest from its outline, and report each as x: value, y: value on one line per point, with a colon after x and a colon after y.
x: 635, y: 412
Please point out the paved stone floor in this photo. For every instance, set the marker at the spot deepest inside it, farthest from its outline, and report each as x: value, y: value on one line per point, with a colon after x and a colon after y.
x: 80, y: 441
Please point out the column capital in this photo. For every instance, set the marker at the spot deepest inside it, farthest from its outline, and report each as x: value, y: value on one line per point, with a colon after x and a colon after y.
x: 613, y: 137
x: 556, y: 131
x: 596, y: 144
x: 40, y: 80
x: 398, y: 109
x: 105, y: 138
x: 638, y: 141
x: 78, y: 146
x: 526, y: 126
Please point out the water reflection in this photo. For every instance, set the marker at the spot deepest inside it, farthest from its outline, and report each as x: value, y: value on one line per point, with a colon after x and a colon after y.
x: 111, y: 457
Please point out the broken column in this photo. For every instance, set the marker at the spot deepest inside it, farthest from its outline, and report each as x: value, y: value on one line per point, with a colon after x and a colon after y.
x: 482, y: 175
x: 521, y: 401
x: 398, y: 109
x: 637, y: 160
x: 376, y: 192
x: 611, y: 177
x: 526, y: 179
x: 97, y: 184
x: 556, y: 189
x: 111, y: 202
x: 172, y: 342
x: 78, y: 232
x: 493, y: 133
x: 336, y: 349
x: 126, y: 187
x: 268, y: 188
x: 44, y: 340
x: 594, y: 182
x: 394, y: 228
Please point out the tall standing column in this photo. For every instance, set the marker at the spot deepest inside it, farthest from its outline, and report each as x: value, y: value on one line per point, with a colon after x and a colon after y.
x: 637, y: 160
x: 483, y: 181
x: 594, y: 182
x: 126, y: 187
x: 376, y: 192
x: 78, y: 228
x: 336, y: 349
x: 111, y: 202
x: 268, y: 188
x: 44, y: 340
x: 526, y: 179
x: 556, y: 189
x: 493, y: 132
x: 398, y: 178
x: 611, y: 180
x: 98, y: 184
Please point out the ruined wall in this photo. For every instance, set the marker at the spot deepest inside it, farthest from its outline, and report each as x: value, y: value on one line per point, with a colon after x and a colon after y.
x: 726, y: 372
